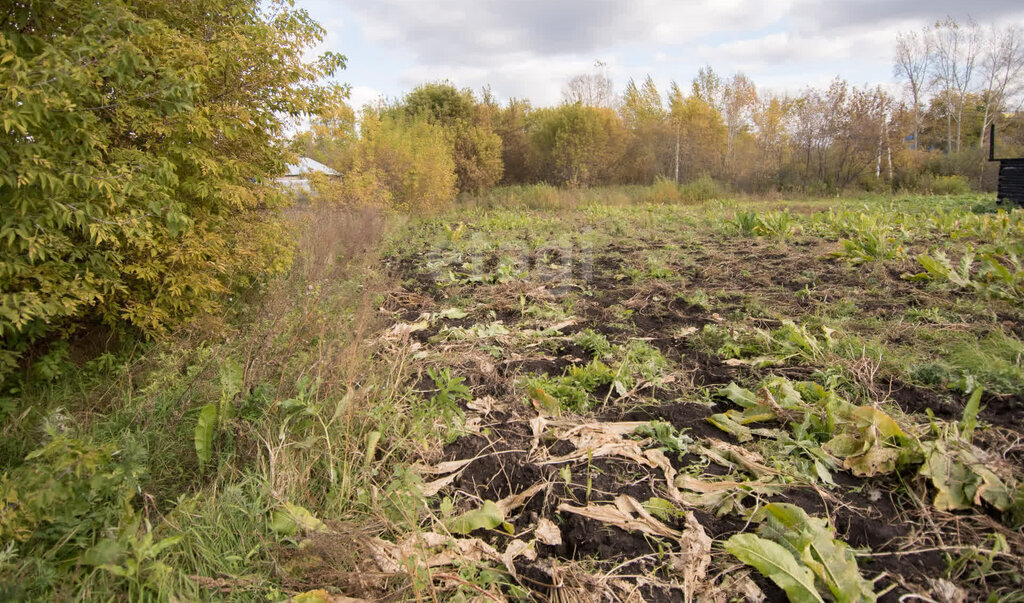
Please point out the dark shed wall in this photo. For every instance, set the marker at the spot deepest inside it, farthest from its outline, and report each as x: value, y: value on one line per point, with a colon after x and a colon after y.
x: 1011, y: 181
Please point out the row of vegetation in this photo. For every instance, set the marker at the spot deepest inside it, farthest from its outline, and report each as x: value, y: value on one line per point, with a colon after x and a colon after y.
x: 439, y: 140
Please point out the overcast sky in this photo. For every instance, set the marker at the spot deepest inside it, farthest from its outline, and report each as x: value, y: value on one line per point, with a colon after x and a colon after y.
x: 529, y: 48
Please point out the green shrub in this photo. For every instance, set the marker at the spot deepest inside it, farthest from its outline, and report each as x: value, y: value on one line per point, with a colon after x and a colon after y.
x: 702, y: 188
x: 64, y: 495
x: 948, y: 185
x: 138, y: 152
x: 663, y: 191
x: 400, y: 163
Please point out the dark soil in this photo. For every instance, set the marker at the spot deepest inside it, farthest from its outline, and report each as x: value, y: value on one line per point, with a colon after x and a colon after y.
x: 864, y: 513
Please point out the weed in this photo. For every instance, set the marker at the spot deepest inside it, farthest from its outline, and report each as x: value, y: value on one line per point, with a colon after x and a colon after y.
x: 450, y: 389
x: 593, y: 342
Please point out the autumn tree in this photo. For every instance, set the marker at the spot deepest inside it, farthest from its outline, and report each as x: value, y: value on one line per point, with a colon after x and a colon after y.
x: 1002, y: 72
x: 476, y: 148
x: 954, y: 66
x: 576, y: 144
x: 330, y: 137
x: 511, y: 125
x: 648, y: 148
x: 139, y: 146
x: 400, y: 162
x: 772, y: 119
x: 739, y: 96
x: 913, y: 66
x: 708, y: 87
x: 700, y: 135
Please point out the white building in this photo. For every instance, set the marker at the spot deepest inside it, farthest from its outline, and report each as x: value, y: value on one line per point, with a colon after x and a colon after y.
x: 296, y: 177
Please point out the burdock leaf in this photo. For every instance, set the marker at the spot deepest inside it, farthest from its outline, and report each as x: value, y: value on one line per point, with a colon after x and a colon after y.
x: 488, y: 516
x: 727, y: 424
x: 739, y: 395
x: 869, y: 416
x: 777, y: 564
x: 970, y: 418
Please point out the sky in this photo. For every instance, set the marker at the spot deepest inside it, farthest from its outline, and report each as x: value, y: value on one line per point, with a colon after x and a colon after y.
x: 530, y: 48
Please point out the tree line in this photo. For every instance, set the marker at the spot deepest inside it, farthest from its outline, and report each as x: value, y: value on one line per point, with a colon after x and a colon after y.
x: 439, y: 139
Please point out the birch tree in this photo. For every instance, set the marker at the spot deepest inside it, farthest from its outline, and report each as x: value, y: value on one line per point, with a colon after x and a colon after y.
x: 956, y: 54
x: 913, y: 64
x: 593, y: 89
x: 1002, y: 72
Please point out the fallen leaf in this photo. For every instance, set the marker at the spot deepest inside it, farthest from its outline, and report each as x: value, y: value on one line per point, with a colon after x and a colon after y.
x: 482, y: 405
x: 513, y: 502
x: 694, y: 556
x: 403, y: 329
x: 517, y: 548
x: 945, y: 591
x: 433, y: 487
x: 421, y: 550
x: 626, y: 514
x: 547, y: 532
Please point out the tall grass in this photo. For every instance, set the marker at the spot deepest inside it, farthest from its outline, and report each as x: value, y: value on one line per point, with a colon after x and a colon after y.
x: 548, y: 197
x: 324, y: 417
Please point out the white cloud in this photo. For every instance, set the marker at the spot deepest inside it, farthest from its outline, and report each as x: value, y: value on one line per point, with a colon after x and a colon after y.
x: 529, y: 48
x: 787, y: 48
x: 361, y: 95
x: 477, y: 31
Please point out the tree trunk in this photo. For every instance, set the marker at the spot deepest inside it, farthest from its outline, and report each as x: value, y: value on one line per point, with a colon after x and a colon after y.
x: 984, y: 127
x: 677, y: 153
x: 917, y: 127
x: 949, y: 129
x: 959, y: 125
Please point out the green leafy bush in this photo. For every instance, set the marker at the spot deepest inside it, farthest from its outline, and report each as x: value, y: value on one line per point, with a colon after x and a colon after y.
x: 138, y: 148
x: 948, y: 185
x: 400, y: 163
x: 701, y: 188
x: 63, y: 496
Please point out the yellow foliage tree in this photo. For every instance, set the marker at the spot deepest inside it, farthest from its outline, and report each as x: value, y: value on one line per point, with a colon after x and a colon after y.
x: 139, y: 141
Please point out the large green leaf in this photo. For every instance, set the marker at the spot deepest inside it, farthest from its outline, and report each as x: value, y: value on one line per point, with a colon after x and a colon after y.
x: 289, y: 519
x: 871, y: 418
x: 954, y: 483
x: 740, y: 396
x: 726, y: 423
x: 231, y: 383
x: 776, y: 563
x: 488, y: 516
x: 970, y: 418
x: 830, y: 559
x: 205, y: 429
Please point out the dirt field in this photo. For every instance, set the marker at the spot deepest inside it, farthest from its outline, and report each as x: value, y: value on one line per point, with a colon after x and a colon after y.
x: 632, y: 387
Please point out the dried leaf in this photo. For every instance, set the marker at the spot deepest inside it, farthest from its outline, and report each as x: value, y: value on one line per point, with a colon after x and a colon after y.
x: 694, y: 556
x: 403, y: 329
x: 547, y: 532
x: 626, y: 514
x: 429, y: 549
x: 517, y: 548
x: 514, y: 501
x: 433, y: 487
x: 482, y: 405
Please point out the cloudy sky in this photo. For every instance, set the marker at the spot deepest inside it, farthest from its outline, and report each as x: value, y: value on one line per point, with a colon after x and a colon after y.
x: 529, y: 48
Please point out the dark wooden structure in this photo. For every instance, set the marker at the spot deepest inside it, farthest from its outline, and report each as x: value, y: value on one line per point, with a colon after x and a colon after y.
x: 1011, y: 174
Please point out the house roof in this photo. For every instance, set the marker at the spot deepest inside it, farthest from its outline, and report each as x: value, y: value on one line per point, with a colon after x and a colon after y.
x: 307, y: 165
